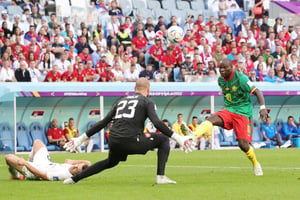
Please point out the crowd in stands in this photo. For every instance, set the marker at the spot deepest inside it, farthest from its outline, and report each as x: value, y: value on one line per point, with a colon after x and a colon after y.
x: 35, y: 48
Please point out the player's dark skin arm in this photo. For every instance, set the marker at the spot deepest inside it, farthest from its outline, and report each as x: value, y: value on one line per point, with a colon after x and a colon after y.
x: 260, y: 98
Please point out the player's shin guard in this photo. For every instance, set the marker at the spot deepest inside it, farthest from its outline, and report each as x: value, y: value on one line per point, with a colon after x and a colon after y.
x: 204, y: 127
x: 252, y: 157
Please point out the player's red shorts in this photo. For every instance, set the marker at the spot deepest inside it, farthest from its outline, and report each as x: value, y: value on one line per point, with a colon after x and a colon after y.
x: 242, y: 125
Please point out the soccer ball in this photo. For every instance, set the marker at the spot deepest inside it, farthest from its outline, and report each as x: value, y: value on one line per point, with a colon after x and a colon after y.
x: 175, y: 34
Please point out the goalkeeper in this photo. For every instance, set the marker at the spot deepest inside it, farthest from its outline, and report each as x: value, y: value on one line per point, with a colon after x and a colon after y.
x: 237, y: 114
x: 127, y: 136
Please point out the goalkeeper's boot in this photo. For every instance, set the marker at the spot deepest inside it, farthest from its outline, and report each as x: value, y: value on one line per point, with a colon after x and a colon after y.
x: 162, y: 179
x: 258, y: 170
x: 69, y: 181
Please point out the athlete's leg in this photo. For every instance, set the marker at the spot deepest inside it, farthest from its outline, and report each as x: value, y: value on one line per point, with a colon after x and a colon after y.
x: 110, y: 162
x: 162, y: 153
x: 206, y: 126
x: 37, y: 145
x: 14, y: 165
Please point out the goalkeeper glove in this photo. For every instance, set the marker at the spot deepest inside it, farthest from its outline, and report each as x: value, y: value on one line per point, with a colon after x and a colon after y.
x: 75, y: 142
x: 184, y: 142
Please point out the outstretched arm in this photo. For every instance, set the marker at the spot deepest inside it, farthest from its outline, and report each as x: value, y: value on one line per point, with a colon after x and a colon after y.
x: 260, y: 98
x: 75, y: 162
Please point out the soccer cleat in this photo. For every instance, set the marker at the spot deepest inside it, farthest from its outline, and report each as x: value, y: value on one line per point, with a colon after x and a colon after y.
x: 258, y: 170
x: 69, y: 181
x: 161, y: 179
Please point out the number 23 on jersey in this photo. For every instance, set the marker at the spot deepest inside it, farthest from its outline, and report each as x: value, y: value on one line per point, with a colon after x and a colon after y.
x: 126, y: 109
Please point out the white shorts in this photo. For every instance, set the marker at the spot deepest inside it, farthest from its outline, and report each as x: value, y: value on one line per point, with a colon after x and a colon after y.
x: 42, y: 157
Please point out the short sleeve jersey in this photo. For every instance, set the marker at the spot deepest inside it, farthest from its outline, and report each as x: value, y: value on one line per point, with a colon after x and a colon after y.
x: 237, y: 90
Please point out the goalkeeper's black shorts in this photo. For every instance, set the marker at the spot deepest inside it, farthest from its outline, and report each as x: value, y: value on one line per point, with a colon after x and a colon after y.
x: 120, y: 148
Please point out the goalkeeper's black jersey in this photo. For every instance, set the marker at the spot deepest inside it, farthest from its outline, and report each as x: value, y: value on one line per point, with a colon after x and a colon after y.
x: 129, y: 115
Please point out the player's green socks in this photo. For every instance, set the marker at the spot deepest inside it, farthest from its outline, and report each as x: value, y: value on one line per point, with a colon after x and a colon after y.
x: 204, y: 127
x: 252, y: 157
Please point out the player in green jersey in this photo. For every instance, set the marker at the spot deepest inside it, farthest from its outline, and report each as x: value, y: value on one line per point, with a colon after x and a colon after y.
x: 237, y: 114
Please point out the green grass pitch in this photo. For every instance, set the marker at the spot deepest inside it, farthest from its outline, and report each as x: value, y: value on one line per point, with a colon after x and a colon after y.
x: 216, y: 175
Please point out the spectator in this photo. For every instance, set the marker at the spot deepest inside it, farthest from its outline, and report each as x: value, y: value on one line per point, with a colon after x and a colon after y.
x: 62, y: 63
x: 53, y: 75
x: 112, y: 29
x: 156, y: 54
x: 45, y: 65
x: 140, y: 46
x: 101, y: 65
x: 89, y: 73
x: 295, y: 76
x: 161, y: 21
x: 160, y: 75
x: 188, y: 65
x: 30, y: 34
x: 223, y: 7
x: 5, y: 18
x: 7, y: 74
x: 123, y: 37
x: 35, y: 74
x: 118, y: 73
x: 70, y: 75
x: 71, y: 132
x: 114, y: 9
x: 288, y: 131
x: 270, y: 132
x: 125, y: 62
x: 55, y: 135
x: 84, y: 55
x: 22, y: 74
x: 180, y: 126
x: 254, y: 78
x: 169, y: 61
x: 150, y: 34
x: 83, y: 44
x: 107, y: 75
x: 147, y: 73
x: 57, y: 48
x: 131, y: 74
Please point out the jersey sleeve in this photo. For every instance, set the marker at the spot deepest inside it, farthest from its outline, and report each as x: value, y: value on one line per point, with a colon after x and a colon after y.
x: 246, y: 84
x: 151, y: 111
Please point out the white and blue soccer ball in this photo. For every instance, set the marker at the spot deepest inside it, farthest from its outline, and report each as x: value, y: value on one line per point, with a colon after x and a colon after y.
x: 175, y: 34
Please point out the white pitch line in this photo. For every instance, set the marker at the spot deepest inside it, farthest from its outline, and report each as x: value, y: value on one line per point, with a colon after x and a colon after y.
x: 207, y: 167
x: 215, y: 167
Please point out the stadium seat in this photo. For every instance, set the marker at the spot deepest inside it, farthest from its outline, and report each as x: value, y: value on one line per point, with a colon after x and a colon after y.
x: 198, y: 5
x: 279, y: 125
x: 153, y: 4
x: 138, y: 4
x: 126, y: 7
x: 181, y: 16
x: 176, y: 71
x: 14, y: 10
x: 226, y: 139
x: 183, y: 5
x: 96, y: 137
x: 24, y: 142
x: 169, y: 5
x: 257, y: 135
x: 37, y: 132
x: 162, y: 12
x: 144, y: 11
x: 6, y: 137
